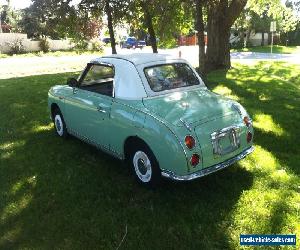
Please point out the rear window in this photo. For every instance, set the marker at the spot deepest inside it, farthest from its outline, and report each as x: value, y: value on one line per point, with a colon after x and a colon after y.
x: 170, y: 76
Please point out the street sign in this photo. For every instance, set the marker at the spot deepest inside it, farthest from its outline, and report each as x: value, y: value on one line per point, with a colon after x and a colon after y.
x: 273, y: 26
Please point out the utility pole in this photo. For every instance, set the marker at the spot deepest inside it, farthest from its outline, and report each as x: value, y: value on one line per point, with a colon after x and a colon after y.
x: 272, y: 30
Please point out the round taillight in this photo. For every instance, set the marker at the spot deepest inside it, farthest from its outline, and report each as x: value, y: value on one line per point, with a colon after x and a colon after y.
x: 247, y: 121
x: 249, y: 137
x: 195, y: 160
x: 189, y: 141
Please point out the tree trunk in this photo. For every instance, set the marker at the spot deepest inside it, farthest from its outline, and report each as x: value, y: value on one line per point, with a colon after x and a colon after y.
x: 110, y: 27
x: 200, y: 34
x: 149, y: 25
x: 218, y: 49
x: 262, y: 38
x: 221, y: 16
x: 0, y: 21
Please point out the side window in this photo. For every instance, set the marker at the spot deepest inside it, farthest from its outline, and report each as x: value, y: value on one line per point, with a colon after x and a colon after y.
x: 99, y: 79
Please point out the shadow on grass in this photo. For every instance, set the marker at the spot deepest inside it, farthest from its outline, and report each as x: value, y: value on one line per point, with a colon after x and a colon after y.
x: 271, y: 95
x: 270, y: 91
x: 66, y: 194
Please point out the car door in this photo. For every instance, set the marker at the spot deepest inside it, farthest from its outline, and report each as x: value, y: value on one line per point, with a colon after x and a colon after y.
x: 88, y: 108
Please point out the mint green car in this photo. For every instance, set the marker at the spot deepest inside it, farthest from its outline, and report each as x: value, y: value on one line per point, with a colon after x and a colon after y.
x: 154, y: 112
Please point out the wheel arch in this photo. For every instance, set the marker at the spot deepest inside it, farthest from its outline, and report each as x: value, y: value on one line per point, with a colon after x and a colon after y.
x: 131, y: 142
x: 54, y: 106
x: 163, y: 143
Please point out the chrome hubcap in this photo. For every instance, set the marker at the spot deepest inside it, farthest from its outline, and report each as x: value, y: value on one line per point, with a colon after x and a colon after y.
x: 142, y: 166
x: 58, y: 125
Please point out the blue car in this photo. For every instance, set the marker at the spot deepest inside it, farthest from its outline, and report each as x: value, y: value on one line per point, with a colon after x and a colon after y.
x: 132, y: 42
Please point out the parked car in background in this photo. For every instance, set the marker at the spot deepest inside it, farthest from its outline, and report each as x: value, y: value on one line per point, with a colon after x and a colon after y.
x: 141, y: 44
x: 132, y: 43
x: 155, y: 112
x: 106, y: 40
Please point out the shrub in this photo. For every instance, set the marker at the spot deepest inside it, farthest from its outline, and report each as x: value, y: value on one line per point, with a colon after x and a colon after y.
x: 81, y: 45
x: 249, y: 44
x: 40, y: 54
x: 44, y: 45
x: 168, y: 43
x: 16, y: 47
x: 239, y: 44
x: 97, y: 46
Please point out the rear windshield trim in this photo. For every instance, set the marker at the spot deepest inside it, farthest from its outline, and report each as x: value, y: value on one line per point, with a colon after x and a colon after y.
x: 164, y: 64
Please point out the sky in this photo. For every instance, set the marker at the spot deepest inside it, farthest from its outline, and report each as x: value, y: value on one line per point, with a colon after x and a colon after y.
x: 21, y: 4
x: 18, y: 4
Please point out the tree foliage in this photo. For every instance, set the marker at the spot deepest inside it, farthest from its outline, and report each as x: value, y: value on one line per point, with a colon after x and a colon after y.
x: 9, y: 18
x: 114, y: 10
x: 173, y: 17
x: 161, y: 21
x: 258, y: 15
x: 58, y: 19
x: 169, y: 19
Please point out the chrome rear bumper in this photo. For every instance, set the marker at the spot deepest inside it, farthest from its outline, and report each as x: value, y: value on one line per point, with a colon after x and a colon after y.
x: 209, y: 170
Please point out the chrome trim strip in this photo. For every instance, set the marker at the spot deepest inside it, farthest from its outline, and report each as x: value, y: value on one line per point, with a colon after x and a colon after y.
x: 188, y: 127
x: 235, y: 107
x: 209, y: 170
x: 95, y: 144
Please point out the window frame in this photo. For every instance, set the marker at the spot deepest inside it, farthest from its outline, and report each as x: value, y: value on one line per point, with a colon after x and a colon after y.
x: 86, y: 70
x: 173, y: 89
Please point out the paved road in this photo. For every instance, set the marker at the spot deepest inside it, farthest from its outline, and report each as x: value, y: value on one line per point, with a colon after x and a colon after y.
x: 190, y: 53
x: 26, y: 66
x: 245, y: 57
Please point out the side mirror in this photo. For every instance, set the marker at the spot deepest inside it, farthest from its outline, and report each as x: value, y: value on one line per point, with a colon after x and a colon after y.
x: 72, y: 82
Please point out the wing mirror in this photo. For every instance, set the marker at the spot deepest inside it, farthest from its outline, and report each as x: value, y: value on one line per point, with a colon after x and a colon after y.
x: 72, y: 82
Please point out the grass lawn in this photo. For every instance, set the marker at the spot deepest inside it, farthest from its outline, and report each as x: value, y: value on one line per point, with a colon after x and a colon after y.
x: 267, y: 49
x: 58, y: 193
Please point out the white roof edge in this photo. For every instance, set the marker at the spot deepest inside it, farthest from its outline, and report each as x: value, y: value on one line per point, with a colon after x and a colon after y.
x: 140, y: 58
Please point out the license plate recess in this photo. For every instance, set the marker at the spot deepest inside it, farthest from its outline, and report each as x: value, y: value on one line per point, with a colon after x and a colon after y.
x: 225, y: 140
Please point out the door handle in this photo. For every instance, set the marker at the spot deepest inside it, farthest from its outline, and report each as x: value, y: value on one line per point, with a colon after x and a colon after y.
x: 101, y: 109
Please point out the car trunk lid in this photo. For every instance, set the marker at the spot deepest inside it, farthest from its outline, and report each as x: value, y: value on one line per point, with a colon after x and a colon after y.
x: 189, y: 107
x: 220, y: 139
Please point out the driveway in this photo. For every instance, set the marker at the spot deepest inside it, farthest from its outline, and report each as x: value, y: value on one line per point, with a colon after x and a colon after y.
x: 26, y: 66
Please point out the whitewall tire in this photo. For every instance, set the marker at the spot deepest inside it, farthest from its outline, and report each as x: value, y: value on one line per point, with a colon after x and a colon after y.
x: 59, y: 124
x: 142, y: 166
x: 145, y: 166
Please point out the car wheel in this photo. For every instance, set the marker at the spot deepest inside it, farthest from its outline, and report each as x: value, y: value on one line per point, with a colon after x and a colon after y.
x: 145, y: 166
x: 59, y: 124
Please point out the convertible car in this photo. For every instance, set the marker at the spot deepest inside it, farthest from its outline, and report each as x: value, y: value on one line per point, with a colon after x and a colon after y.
x: 154, y: 112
